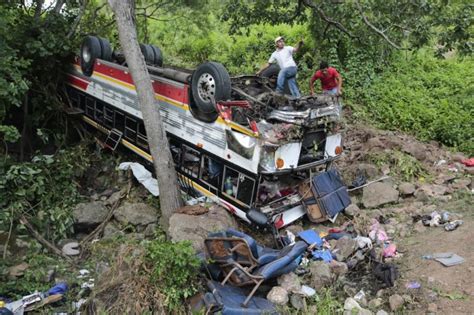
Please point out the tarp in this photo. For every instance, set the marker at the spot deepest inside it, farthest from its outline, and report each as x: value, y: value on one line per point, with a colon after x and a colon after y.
x: 143, y: 176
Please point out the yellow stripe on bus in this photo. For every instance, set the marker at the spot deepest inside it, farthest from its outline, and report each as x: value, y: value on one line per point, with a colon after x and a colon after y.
x: 175, y: 103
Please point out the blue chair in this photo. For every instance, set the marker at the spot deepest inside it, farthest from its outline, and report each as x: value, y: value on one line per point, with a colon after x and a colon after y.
x: 244, y: 262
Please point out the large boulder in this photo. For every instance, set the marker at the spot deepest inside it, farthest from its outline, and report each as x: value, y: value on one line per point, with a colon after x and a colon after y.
x: 344, y: 247
x: 278, y: 296
x: 136, y: 214
x: 195, y: 228
x: 320, y: 274
x: 88, y: 215
x: 379, y: 194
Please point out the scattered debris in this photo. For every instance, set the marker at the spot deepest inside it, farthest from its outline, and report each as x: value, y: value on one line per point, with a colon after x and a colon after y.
x: 71, y: 249
x: 142, y: 175
x: 413, y: 285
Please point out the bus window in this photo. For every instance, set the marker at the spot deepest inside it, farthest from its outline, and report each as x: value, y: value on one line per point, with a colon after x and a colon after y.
x: 130, y: 129
x: 211, y: 171
x: 108, y: 117
x: 90, y: 107
x: 119, y: 123
x: 175, y: 148
x: 99, y: 112
x: 141, y: 137
x: 238, y: 185
x: 191, y: 161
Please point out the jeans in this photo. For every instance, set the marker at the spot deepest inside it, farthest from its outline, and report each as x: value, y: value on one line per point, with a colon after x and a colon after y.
x: 332, y: 91
x: 288, y: 74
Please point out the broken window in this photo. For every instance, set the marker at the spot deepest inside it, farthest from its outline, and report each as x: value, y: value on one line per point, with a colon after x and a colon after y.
x: 191, y: 161
x: 99, y: 112
x: 238, y: 185
x: 211, y: 171
x: 175, y: 148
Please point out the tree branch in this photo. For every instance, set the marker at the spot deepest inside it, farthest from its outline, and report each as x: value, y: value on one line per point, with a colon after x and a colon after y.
x: 323, y: 15
x: 375, y: 29
x: 78, y: 19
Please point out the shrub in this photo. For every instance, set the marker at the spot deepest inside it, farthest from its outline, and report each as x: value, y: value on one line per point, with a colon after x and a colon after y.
x: 429, y: 97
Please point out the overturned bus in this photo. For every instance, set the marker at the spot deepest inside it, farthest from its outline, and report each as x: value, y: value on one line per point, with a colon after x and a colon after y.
x: 233, y: 140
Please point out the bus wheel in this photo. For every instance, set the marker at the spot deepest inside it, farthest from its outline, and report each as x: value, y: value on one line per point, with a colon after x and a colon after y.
x: 210, y: 83
x: 158, y: 60
x: 91, y: 49
x: 148, y: 53
x: 106, y: 49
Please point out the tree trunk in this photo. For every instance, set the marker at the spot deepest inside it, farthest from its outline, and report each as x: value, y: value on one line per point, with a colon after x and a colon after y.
x: 170, y: 198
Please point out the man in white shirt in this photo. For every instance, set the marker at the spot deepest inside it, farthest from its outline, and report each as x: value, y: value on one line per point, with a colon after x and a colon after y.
x: 283, y: 56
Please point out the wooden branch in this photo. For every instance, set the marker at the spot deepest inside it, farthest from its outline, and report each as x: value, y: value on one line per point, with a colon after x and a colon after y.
x: 323, y: 15
x: 78, y: 18
x: 43, y: 241
x: 375, y: 29
x: 101, y: 226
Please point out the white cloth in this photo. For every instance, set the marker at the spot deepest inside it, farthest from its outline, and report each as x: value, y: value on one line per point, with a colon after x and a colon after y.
x: 284, y: 57
x: 143, y: 176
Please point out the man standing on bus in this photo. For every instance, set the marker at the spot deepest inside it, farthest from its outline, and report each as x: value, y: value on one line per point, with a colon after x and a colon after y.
x: 283, y: 56
x: 331, y: 81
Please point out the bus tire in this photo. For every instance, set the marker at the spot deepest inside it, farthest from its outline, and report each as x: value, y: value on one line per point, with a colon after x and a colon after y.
x: 158, y: 56
x: 148, y: 54
x: 91, y: 49
x: 210, y: 81
x: 106, y: 49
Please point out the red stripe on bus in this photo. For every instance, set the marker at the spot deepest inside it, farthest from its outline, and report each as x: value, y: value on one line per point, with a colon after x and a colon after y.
x: 179, y: 94
x: 77, y: 82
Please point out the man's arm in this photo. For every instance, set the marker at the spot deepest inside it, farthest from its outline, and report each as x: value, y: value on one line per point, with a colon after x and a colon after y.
x: 298, y: 47
x: 339, y: 84
x: 263, y: 68
x: 311, y: 84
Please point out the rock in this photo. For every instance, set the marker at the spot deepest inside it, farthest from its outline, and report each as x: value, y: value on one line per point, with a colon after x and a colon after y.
x: 381, y: 312
x: 297, y: 301
x: 71, y: 249
x: 307, y: 291
x: 396, y: 302
x: 378, y: 194
x: 193, y: 210
x: 150, y: 230
x: 364, y: 311
x: 352, y: 210
x: 294, y: 228
x: 432, y: 308
x: 113, y: 198
x: 17, y: 271
x: 88, y: 215
x: 49, y: 276
x: 430, y: 190
x: 195, y: 228
x: 290, y: 282
x: 461, y: 183
x: 444, y: 178
x: 344, y: 247
x: 374, y: 143
x: 415, y: 150
x: 110, y: 231
x: 406, y: 189
x: 278, y: 296
x: 458, y: 157
x: 369, y: 170
x: 320, y: 274
x: 136, y: 214
x: 338, y: 268
x: 375, y: 303
x: 350, y: 304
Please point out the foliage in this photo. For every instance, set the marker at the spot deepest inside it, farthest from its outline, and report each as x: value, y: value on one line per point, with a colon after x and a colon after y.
x: 402, y: 165
x: 327, y: 303
x: 174, y: 270
x: 429, y: 97
x: 44, y: 190
x: 34, y: 276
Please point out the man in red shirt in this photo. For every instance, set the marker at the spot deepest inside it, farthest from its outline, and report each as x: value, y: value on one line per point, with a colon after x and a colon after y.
x: 331, y: 81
